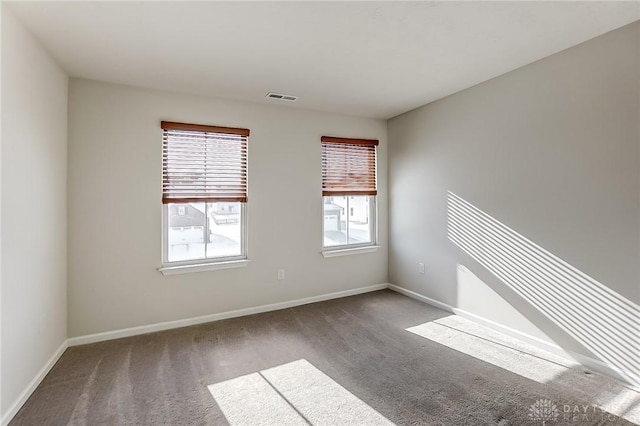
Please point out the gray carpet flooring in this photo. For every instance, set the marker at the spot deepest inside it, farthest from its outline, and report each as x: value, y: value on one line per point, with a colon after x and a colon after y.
x: 356, y: 349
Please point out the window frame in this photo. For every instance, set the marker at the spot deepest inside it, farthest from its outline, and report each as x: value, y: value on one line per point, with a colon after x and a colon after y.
x: 206, y: 260
x: 373, y: 228
x: 207, y: 263
x: 339, y: 249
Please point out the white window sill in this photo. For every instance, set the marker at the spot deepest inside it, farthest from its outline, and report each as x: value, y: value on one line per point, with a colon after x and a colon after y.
x: 200, y: 267
x: 348, y: 251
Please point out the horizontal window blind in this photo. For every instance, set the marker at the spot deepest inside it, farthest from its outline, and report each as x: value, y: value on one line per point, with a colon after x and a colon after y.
x: 203, y: 163
x: 348, y: 166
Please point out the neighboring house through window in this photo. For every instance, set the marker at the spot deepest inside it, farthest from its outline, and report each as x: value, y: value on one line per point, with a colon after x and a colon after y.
x: 349, y: 184
x: 204, y: 193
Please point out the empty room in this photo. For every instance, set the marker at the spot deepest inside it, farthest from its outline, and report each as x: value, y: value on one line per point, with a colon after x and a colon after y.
x: 320, y: 213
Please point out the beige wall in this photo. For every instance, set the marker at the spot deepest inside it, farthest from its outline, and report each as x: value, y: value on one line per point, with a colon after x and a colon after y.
x: 115, y: 209
x: 552, y: 151
x: 34, y: 161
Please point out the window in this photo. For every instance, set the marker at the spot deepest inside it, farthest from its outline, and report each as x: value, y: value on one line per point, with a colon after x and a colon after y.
x: 348, y: 184
x: 204, y: 194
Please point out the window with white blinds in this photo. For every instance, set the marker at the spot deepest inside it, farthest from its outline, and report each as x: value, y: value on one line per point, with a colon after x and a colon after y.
x: 348, y: 166
x: 203, y: 163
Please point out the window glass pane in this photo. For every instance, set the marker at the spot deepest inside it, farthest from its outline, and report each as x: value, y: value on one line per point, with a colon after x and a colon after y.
x: 359, y: 221
x: 335, y: 225
x: 347, y: 220
x: 185, y: 235
x: 225, y: 229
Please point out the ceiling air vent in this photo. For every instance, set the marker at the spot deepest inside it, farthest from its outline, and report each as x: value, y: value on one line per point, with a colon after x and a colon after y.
x: 282, y: 97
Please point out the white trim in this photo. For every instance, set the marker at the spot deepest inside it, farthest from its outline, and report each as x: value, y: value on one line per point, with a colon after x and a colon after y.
x: 543, y: 344
x: 26, y: 393
x: 99, y: 337
x: 348, y: 251
x: 200, y: 267
x: 133, y: 331
x: 589, y: 362
x: 421, y: 298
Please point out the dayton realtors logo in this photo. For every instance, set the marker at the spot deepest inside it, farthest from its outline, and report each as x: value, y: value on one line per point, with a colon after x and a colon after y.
x: 545, y: 411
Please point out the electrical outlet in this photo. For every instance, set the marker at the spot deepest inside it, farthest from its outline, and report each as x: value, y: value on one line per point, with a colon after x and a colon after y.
x: 421, y: 268
x: 280, y: 274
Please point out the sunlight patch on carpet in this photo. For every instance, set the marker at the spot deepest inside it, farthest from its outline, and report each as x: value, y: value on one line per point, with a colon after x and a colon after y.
x: 531, y: 362
x: 296, y: 393
x: 495, y: 348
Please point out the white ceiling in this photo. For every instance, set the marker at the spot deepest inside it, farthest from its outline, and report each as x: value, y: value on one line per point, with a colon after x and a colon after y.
x: 373, y: 59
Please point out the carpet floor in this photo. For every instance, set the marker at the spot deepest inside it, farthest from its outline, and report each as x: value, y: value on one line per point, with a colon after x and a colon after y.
x: 376, y: 358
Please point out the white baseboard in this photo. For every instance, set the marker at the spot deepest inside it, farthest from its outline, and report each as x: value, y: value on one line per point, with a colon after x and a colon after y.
x: 116, y: 334
x: 26, y: 393
x: 99, y: 337
x: 589, y: 362
x: 483, y: 321
x: 144, y: 329
x: 417, y: 296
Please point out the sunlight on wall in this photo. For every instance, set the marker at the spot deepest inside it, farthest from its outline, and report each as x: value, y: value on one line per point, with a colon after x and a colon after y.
x: 604, y: 322
x: 296, y: 393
